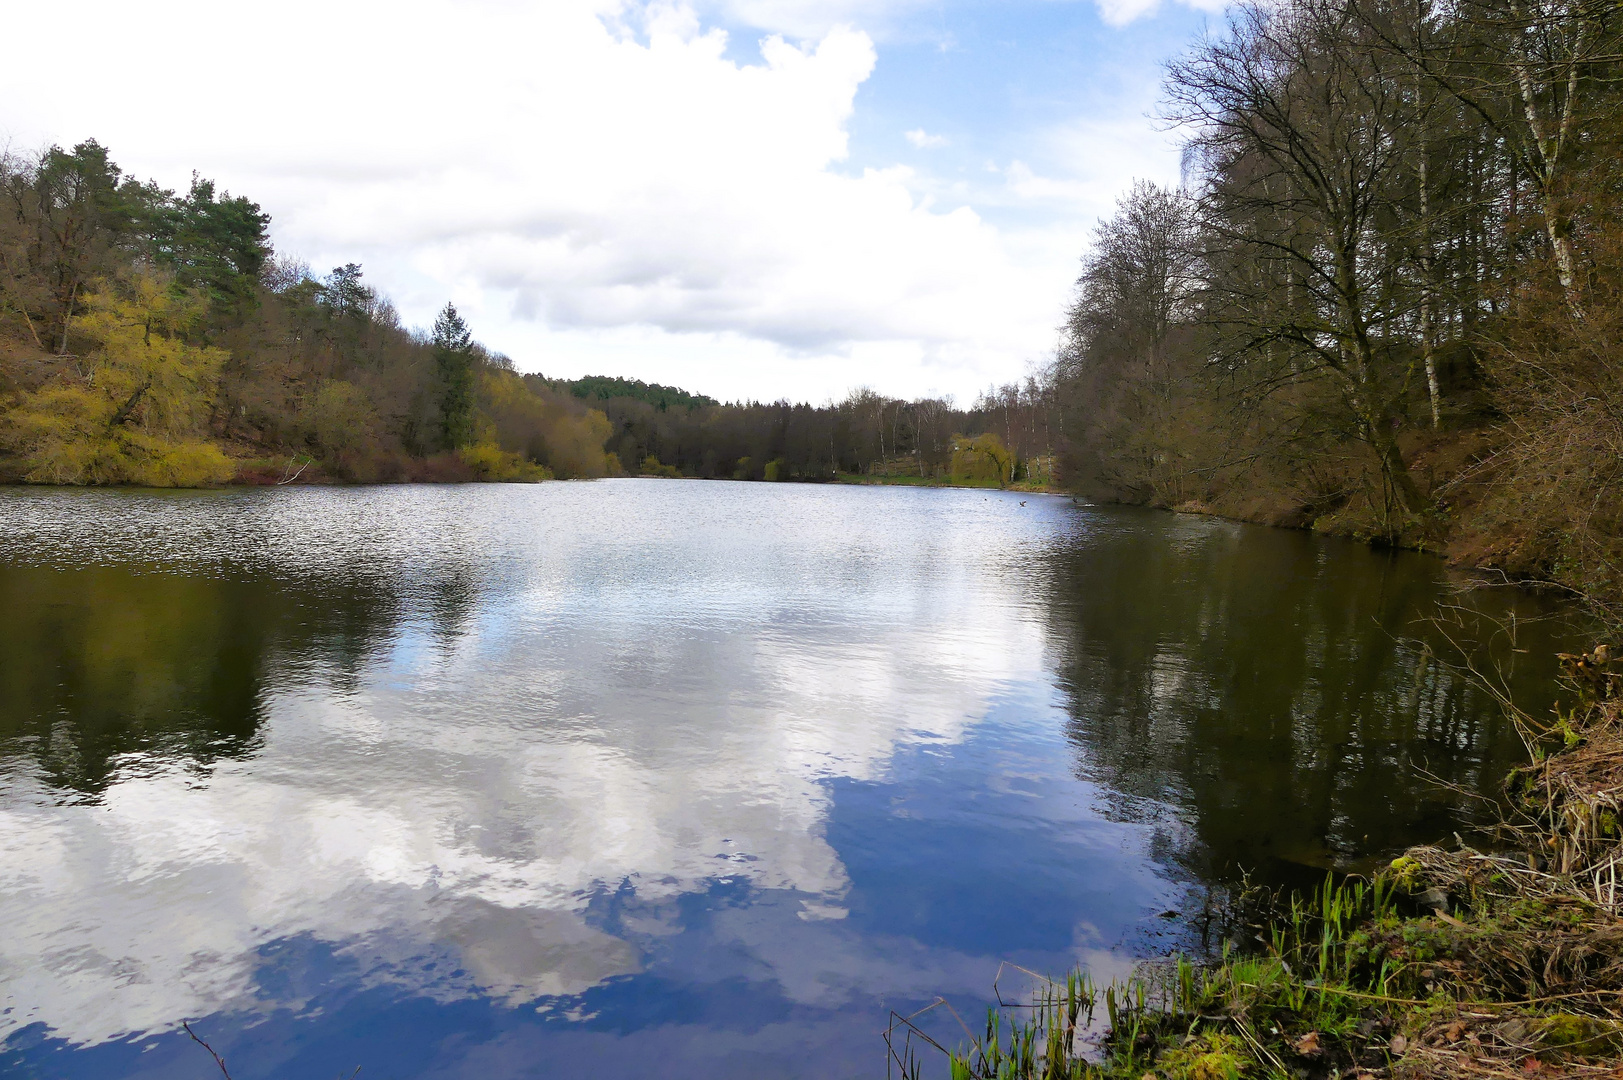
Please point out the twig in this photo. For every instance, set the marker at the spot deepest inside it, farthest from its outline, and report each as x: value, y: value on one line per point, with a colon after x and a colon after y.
x: 218, y: 1060
x: 286, y: 479
x: 1256, y: 1045
x: 912, y: 1029
x: 999, y: 993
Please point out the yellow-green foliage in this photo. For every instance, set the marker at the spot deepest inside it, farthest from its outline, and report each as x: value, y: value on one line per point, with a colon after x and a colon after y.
x: 135, y: 409
x: 575, y: 444
x: 340, y: 417
x: 555, y: 432
x: 491, y: 462
x: 776, y: 469
x: 1405, y: 870
x: 983, y: 459
x: 652, y: 467
x: 1585, y: 1036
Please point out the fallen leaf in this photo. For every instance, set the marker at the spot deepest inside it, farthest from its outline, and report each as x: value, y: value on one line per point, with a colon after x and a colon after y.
x: 1532, y: 1065
x: 1307, y: 1045
x: 1514, y: 1032
x: 1450, y: 920
x: 1399, y: 1045
x: 1453, y: 1032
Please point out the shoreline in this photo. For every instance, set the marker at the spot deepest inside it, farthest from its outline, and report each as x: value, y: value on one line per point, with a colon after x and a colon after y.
x: 1445, y: 963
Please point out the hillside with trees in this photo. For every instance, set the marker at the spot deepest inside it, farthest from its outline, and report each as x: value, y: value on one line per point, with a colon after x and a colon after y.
x: 151, y: 337
x: 1387, y: 301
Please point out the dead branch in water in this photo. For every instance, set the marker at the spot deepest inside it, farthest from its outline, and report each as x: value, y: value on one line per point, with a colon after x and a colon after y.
x: 218, y: 1060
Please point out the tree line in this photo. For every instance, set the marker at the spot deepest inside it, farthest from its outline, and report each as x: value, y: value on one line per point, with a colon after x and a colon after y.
x: 1386, y: 298
x: 1009, y: 434
x: 155, y: 337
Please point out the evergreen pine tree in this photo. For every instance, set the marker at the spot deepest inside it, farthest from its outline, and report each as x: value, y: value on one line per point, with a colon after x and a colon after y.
x: 453, y: 359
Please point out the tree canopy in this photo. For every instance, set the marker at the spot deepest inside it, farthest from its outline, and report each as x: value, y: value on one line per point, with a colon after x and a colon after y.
x: 1379, y: 303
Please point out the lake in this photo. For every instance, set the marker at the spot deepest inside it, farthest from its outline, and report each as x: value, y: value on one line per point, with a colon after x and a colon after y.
x: 676, y: 777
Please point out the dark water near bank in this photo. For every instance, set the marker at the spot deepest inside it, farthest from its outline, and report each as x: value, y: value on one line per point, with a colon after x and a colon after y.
x: 680, y: 779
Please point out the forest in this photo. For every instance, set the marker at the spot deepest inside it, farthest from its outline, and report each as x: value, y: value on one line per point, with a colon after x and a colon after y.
x: 1385, y: 300
x: 152, y: 337
x: 863, y: 436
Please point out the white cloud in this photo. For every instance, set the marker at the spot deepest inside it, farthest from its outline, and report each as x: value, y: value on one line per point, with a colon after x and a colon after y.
x: 1122, y: 12
x: 599, y: 185
x: 572, y: 175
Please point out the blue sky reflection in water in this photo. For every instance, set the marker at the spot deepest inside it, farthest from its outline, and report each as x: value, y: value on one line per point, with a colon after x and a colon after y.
x: 563, y: 780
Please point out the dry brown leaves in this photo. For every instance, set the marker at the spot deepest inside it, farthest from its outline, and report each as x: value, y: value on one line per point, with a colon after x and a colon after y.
x: 1477, y: 1043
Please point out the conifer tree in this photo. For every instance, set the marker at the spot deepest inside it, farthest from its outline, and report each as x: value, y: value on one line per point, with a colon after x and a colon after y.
x: 453, y: 360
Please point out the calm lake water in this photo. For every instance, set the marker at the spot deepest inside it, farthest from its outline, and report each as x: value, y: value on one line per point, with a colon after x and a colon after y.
x: 679, y: 778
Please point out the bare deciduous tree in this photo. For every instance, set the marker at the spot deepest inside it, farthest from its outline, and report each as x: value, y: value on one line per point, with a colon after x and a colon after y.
x: 1301, y: 128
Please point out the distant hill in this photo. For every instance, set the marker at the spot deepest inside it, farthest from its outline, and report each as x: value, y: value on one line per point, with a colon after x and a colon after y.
x: 604, y: 387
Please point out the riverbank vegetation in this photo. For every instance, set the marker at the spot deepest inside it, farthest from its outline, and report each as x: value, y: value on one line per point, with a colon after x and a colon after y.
x: 1386, y: 304
x: 1387, y: 301
x: 1502, y: 958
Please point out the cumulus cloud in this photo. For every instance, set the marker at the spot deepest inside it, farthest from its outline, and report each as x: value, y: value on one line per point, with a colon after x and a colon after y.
x: 600, y: 185
x: 560, y: 170
x: 1122, y: 12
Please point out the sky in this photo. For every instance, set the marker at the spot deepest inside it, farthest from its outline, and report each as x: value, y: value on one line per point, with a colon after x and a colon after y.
x: 751, y: 199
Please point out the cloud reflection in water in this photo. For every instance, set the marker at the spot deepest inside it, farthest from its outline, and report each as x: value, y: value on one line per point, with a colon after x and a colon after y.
x: 574, y: 689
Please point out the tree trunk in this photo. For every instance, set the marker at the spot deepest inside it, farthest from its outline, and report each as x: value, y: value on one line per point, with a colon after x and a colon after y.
x: 67, y: 320
x: 1428, y: 353
x: 1378, y: 422
x: 1393, y: 466
x: 1428, y: 276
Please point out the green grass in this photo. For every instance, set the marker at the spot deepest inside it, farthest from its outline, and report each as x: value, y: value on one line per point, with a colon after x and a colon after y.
x: 1352, y: 979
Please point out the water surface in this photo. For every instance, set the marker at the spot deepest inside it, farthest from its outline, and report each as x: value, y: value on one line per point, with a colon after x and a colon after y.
x: 698, y: 778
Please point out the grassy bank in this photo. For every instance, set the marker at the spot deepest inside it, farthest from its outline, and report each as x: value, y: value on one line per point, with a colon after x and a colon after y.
x: 1451, y: 962
x: 869, y: 479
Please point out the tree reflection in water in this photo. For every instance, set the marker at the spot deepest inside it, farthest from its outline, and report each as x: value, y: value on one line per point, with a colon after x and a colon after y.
x: 110, y: 667
x: 1279, y: 690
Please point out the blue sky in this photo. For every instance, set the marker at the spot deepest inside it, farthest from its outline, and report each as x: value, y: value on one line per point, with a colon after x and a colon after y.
x: 748, y: 198
x: 997, y: 80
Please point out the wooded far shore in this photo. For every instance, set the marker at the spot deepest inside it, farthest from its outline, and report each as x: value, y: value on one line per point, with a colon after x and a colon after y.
x: 1384, y: 303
